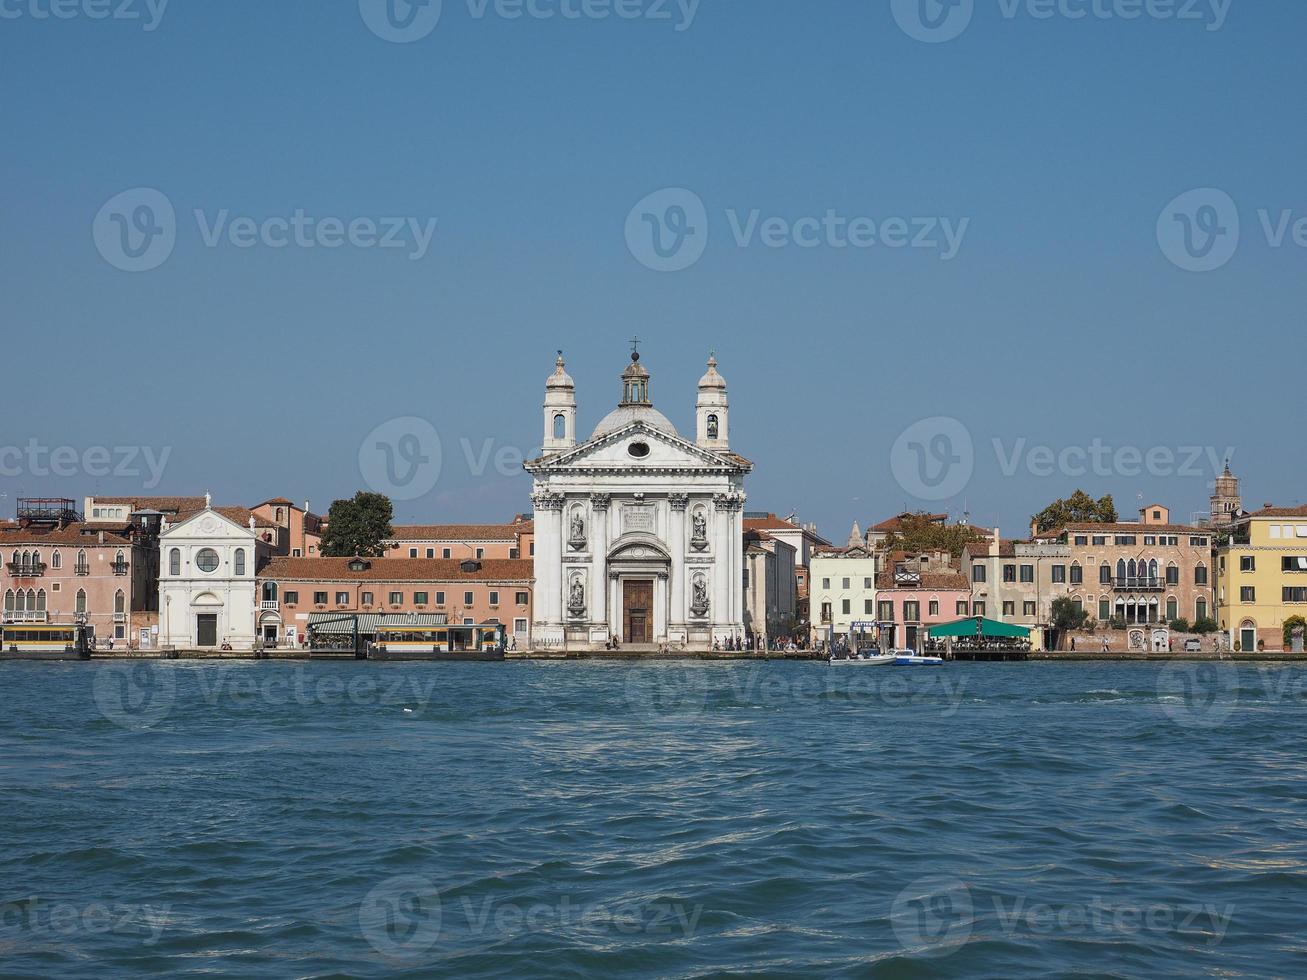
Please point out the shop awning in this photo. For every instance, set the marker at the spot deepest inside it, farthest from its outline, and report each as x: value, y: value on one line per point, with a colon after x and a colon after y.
x: 329, y: 622
x: 978, y: 626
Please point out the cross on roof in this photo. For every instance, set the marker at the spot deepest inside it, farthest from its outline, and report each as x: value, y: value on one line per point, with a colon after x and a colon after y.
x: 635, y: 345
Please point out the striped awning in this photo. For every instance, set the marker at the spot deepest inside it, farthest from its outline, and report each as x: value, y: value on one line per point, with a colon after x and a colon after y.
x: 328, y: 622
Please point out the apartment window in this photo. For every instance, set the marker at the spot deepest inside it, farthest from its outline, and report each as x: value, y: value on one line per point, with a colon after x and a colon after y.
x: 1009, y: 608
x: 978, y: 573
x: 845, y: 584
x: 1104, y: 574
x: 1293, y: 564
x: 1028, y: 609
x: 397, y: 598
x: 445, y: 553
x: 81, y: 601
x: 977, y: 609
x: 1077, y: 575
x: 431, y: 552
x: 467, y: 598
x: 523, y: 598
x: 481, y: 553
x: 867, y: 605
x: 1172, y: 610
x: 1082, y: 539
x: 866, y: 583
x: 1172, y: 576
x: 494, y: 597
x: 886, y: 613
x: 1200, y: 609
x: 1200, y: 575
x: 412, y: 552
x: 1248, y: 563
x: 825, y: 583
x: 1100, y: 539
x: 295, y: 553
x: 1247, y: 593
x: 56, y: 561
x: 1198, y: 542
x: 1295, y: 593
x: 934, y: 607
x: 1059, y: 574
x: 1009, y: 573
x: 365, y: 598
x: 1128, y: 540
x: 825, y: 612
x: 1104, y: 609
x: 514, y: 553
x: 440, y: 598
x: 419, y: 598
x: 845, y: 606
x: 1149, y: 539
x: 1027, y: 573
x: 319, y: 598
x: 961, y: 609
x: 342, y: 598
x: 912, y: 612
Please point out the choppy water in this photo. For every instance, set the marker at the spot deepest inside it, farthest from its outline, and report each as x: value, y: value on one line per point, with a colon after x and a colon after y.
x: 685, y: 819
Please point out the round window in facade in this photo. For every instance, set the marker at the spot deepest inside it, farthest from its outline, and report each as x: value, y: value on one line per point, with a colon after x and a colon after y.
x: 638, y: 449
x: 206, y: 559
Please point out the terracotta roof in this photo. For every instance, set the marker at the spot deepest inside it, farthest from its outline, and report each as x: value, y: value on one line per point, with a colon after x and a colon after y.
x: 399, y: 570
x: 930, y: 581
x: 79, y: 535
x: 279, y: 502
x: 1119, y: 528
x: 895, y: 523
x: 1280, y: 512
x: 457, y: 532
x: 1007, y: 548
x: 771, y: 521
x: 175, y: 504
x: 238, y: 515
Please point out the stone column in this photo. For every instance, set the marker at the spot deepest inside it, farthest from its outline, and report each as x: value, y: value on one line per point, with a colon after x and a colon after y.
x: 676, y: 542
x: 548, y: 562
x: 598, y: 596
x: 721, y: 605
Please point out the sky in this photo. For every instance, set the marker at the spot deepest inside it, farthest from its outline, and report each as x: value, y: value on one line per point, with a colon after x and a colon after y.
x: 962, y: 258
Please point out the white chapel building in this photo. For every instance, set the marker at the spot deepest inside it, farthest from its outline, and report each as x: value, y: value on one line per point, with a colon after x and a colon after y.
x: 638, y: 530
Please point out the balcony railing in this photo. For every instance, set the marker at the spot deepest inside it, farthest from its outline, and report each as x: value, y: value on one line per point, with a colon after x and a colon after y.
x: 1139, y: 583
x: 120, y: 617
x: 26, y: 615
x: 82, y: 569
x: 120, y: 567
x: 270, y: 605
x: 29, y: 570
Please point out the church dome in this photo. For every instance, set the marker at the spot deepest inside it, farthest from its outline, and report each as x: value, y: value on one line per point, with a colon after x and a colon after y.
x: 626, y: 414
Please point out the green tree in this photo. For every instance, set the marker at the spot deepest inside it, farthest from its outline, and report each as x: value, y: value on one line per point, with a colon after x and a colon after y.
x: 1067, y: 616
x: 919, y: 533
x: 1204, y: 626
x: 1289, y: 624
x: 1180, y: 625
x: 358, y: 526
x: 1079, y: 508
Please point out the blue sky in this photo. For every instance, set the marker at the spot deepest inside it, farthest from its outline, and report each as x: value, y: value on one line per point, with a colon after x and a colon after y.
x: 1060, y: 322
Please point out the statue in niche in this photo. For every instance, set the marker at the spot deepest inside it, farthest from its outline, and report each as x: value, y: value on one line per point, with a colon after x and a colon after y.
x: 699, y: 531
x: 576, y: 598
x: 699, y: 600
x: 576, y: 536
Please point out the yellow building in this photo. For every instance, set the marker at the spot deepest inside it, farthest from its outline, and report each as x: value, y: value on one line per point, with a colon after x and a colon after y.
x: 1261, y: 576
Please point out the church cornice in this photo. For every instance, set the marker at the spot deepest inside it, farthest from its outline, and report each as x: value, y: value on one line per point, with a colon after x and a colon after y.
x: 713, y: 461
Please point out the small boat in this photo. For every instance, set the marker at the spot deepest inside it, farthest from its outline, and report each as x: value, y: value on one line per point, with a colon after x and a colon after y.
x: 910, y: 658
x: 864, y: 660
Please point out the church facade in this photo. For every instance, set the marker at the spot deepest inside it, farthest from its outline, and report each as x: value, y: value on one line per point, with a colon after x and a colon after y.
x: 638, y: 530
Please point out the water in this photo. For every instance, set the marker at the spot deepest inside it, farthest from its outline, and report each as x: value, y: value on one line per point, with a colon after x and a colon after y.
x: 579, y: 819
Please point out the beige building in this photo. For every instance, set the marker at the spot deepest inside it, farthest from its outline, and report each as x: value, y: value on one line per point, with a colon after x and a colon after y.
x: 842, y: 593
x: 769, y: 592
x: 1016, y: 581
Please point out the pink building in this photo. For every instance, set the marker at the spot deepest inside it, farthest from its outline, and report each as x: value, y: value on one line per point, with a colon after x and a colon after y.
x: 459, y: 541
x: 915, y: 592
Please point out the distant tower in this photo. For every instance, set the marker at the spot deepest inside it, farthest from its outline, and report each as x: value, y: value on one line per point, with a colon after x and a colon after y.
x: 855, y: 536
x: 560, y: 410
x: 710, y: 411
x: 1225, y: 498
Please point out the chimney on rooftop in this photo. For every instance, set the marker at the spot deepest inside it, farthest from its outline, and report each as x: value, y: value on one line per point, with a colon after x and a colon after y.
x: 100, y: 535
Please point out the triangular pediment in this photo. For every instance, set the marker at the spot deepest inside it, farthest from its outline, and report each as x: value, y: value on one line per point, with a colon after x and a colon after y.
x: 207, y: 525
x: 621, y: 449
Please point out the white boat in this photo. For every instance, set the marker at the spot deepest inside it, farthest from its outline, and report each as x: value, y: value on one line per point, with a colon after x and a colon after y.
x: 910, y: 658
x: 864, y: 660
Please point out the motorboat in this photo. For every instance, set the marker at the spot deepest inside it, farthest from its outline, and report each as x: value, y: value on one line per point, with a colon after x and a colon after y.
x: 910, y: 658
x: 863, y: 660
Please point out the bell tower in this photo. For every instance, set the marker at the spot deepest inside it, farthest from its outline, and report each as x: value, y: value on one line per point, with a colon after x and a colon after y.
x: 1225, y: 500
x: 710, y: 411
x: 560, y: 410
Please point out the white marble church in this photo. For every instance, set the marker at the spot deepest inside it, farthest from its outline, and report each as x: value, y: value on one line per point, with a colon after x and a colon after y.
x: 638, y: 530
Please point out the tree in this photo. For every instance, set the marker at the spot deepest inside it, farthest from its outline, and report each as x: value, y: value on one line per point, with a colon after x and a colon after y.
x: 917, y: 533
x: 1067, y: 616
x: 359, y: 526
x: 1289, y: 624
x: 1079, y: 508
x: 1180, y: 625
x: 1204, y: 626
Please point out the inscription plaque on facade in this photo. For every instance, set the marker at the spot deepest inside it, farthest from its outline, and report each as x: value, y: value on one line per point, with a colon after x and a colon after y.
x: 637, y: 519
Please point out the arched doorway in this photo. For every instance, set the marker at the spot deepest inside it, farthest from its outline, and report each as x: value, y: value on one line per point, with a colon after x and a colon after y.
x: 639, y: 569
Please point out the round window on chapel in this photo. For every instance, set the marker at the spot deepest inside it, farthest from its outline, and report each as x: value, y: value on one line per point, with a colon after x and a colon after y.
x: 638, y: 449
x: 207, y: 560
